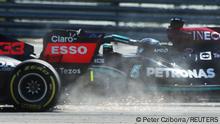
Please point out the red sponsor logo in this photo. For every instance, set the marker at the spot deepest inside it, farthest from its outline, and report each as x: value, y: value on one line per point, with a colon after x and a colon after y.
x: 70, y: 52
x: 11, y: 48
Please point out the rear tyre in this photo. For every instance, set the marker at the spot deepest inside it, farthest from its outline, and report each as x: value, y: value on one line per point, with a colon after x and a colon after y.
x: 34, y: 86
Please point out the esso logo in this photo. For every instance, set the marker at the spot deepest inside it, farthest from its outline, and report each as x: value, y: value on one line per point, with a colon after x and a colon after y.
x: 69, y: 50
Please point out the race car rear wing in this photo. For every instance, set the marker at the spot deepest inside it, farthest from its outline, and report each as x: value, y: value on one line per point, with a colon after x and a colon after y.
x: 70, y: 46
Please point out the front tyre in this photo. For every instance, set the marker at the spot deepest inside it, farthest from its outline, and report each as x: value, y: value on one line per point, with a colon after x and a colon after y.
x: 34, y: 86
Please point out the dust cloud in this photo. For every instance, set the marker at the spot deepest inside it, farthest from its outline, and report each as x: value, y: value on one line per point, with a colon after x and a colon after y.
x: 109, y: 89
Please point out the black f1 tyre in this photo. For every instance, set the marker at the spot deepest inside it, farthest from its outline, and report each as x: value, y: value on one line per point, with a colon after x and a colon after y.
x: 34, y: 86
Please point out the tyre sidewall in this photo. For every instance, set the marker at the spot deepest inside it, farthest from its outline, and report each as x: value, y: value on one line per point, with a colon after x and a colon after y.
x: 52, y: 82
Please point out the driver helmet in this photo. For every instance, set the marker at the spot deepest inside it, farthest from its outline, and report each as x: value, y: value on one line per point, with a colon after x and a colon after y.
x: 176, y: 22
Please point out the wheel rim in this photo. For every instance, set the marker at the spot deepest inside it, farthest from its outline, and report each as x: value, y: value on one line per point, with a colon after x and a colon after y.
x: 32, y: 87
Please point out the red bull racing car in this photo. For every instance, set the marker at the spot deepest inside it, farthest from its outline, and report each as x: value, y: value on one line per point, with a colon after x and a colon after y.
x: 189, y: 62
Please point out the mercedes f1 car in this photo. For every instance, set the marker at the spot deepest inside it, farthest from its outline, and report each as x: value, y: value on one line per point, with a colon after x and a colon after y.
x: 188, y: 62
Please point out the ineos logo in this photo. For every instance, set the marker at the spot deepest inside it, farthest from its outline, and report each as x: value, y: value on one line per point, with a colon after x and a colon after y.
x: 205, y: 35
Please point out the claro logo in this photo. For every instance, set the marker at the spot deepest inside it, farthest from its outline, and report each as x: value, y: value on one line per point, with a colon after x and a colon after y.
x: 64, y: 39
x: 11, y: 48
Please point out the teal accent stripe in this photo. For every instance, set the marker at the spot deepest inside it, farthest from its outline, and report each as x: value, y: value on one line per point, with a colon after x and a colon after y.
x: 185, y: 88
